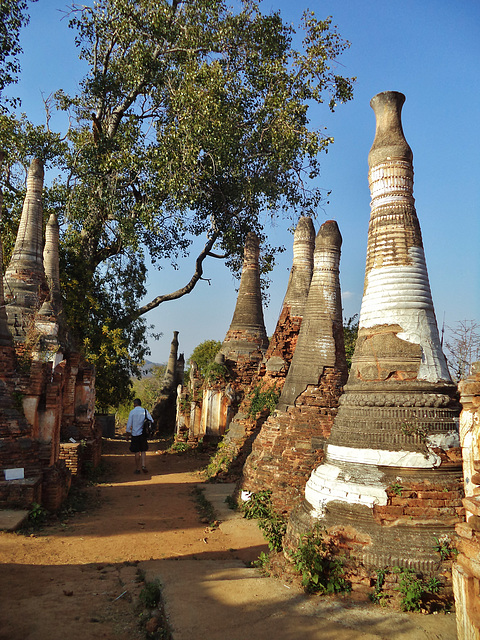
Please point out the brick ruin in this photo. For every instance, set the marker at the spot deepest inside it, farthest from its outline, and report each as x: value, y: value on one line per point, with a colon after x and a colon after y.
x: 290, y: 443
x: 391, y: 481
x: 47, y: 390
x: 466, y: 568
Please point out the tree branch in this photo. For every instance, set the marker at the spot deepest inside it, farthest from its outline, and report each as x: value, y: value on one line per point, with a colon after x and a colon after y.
x: 179, y: 293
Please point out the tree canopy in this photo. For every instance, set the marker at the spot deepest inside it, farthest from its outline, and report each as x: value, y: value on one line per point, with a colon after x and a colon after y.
x: 204, y: 354
x: 13, y: 16
x: 192, y: 122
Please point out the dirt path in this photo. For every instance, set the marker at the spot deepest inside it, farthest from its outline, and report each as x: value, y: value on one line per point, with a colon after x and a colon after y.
x: 80, y: 580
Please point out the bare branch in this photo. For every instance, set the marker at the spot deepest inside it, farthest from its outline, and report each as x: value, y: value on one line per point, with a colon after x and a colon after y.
x: 179, y: 293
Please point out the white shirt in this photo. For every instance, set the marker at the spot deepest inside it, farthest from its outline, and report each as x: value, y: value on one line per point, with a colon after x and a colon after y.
x: 135, y: 420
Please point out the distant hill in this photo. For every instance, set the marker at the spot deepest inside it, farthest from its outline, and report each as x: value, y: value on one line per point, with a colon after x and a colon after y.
x: 146, y: 370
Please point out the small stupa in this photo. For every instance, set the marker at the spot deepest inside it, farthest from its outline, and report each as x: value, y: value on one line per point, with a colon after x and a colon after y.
x: 247, y: 335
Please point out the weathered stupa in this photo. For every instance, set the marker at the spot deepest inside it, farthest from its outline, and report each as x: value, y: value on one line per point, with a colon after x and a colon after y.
x: 284, y: 339
x: 25, y: 283
x: 320, y: 342
x: 290, y: 443
x: 5, y: 336
x: 165, y: 408
x: 247, y: 335
x: 392, y: 479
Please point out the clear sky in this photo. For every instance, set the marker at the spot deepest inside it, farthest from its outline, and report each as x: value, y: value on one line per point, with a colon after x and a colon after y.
x: 427, y: 49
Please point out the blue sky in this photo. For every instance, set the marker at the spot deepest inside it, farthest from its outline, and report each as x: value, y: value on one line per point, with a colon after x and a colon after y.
x: 427, y: 49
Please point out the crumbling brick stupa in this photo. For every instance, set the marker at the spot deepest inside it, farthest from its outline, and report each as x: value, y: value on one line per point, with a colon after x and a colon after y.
x: 47, y: 390
x: 284, y: 339
x: 391, y: 481
x: 290, y: 443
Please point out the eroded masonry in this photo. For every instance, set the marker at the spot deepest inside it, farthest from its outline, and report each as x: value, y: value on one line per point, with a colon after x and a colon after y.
x: 47, y: 390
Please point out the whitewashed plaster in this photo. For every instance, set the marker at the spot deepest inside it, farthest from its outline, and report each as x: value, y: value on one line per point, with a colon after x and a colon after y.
x: 383, y: 458
x: 400, y: 294
x: 444, y: 441
x: 327, y: 484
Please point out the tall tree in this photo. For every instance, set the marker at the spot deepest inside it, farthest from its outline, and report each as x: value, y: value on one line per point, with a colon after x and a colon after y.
x: 13, y: 16
x: 192, y: 122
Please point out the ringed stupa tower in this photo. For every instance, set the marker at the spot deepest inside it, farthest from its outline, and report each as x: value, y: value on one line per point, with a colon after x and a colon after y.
x: 25, y: 282
x: 392, y: 478
x: 284, y: 339
x: 247, y: 334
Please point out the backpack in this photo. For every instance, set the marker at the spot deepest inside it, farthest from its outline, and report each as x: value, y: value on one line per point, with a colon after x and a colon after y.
x: 147, y: 427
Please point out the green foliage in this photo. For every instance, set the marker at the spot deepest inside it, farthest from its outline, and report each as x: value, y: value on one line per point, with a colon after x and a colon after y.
x: 180, y: 447
x: 262, y: 562
x: 261, y: 400
x: 216, y: 372
x: 146, y: 388
x: 350, y: 334
x: 396, y: 488
x: 151, y: 594
x: 273, y: 524
x: 378, y: 596
x: 13, y: 16
x: 415, y: 590
x: 412, y: 590
x: 204, y: 507
x: 417, y: 593
x: 421, y: 431
x: 143, y: 170
x: 445, y: 547
x: 204, y: 354
x: 322, y: 571
x: 37, y: 516
x: 221, y: 460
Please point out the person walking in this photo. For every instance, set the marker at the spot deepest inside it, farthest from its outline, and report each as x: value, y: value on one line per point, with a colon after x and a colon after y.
x: 134, y: 432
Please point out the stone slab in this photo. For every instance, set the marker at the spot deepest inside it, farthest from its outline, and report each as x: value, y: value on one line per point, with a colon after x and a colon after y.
x: 12, y: 519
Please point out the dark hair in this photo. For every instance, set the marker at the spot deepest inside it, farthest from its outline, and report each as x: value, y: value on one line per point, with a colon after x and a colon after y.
x: 137, y: 402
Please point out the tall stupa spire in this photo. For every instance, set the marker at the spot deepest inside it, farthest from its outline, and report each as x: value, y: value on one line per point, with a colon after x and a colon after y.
x: 290, y: 442
x: 25, y: 283
x: 169, y: 379
x: 247, y: 330
x: 5, y: 336
x: 397, y: 423
x: 284, y: 339
x: 51, y: 262
x: 320, y: 342
x: 302, y: 267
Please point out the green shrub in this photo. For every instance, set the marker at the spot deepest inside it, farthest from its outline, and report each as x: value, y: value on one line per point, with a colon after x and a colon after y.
x: 322, y: 572
x: 216, y: 372
x: 273, y: 525
x: 415, y: 591
x: 150, y: 594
